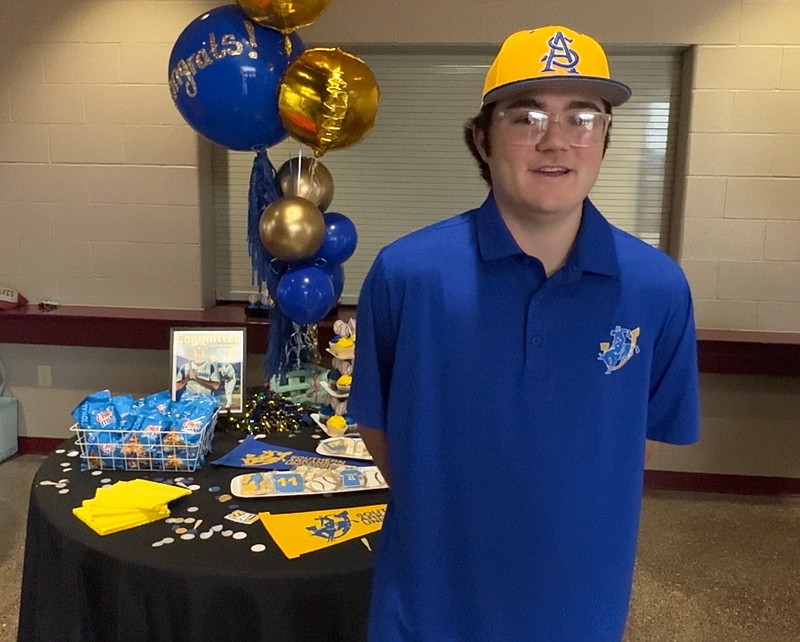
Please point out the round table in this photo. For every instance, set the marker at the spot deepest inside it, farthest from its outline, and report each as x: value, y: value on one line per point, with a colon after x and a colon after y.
x: 78, y: 585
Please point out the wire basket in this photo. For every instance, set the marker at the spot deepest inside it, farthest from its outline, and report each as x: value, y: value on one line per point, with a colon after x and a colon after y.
x: 148, y: 450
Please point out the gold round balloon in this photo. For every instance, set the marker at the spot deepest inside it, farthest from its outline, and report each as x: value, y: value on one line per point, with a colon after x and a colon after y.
x: 328, y: 99
x: 308, y: 178
x: 292, y: 228
x: 284, y: 15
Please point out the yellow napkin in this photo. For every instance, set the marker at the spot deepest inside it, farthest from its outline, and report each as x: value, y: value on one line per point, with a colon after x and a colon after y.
x: 127, y: 504
x: 140, y: 493
x: 298, y: 533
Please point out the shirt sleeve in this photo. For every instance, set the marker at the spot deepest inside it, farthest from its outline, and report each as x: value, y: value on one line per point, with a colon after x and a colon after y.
x: 673, y: 410
x: 376, y: 336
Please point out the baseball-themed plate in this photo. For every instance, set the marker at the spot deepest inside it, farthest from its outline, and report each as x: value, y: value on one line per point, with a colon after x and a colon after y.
x: 344, y: 447
x: 307, y: 481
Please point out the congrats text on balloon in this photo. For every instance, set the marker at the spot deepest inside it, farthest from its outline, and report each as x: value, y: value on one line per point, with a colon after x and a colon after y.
x: 183, y: 75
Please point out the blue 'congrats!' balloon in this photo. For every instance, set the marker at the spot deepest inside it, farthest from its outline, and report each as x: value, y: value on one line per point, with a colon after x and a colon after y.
x: 224, y: 76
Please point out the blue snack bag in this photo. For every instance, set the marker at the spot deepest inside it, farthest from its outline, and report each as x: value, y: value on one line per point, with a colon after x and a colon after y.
x: 123, y: 405
x: 160, y: 401
x: 151, y: 427
x: 193, y: 413
x: 81, y: 412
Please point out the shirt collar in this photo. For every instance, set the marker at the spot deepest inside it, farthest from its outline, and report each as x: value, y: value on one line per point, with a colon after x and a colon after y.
x: 594, y: 249
x: 494, y: 239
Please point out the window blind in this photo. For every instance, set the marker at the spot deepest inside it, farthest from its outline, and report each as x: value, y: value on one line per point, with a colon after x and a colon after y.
x: 414, y: 168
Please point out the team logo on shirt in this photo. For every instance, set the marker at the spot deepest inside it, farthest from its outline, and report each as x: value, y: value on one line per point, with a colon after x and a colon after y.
x: 617, y: 353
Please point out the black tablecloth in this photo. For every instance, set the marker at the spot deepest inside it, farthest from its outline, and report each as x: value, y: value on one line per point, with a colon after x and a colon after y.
x: 80, y: 586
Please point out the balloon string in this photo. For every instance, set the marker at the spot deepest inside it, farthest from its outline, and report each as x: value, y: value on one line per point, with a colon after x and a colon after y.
x: 299, y: 176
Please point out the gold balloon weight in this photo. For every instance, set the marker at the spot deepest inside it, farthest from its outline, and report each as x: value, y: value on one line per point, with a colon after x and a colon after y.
x: 328, y: 99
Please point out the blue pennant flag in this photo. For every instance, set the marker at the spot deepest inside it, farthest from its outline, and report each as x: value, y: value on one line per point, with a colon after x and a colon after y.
x: 255, y: 453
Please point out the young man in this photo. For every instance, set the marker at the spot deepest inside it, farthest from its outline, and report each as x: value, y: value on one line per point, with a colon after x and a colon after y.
x: 512, y: 364
x: 198, y: 375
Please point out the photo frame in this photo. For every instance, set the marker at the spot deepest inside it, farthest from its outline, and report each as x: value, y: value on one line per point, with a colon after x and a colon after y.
x: 210, y: 361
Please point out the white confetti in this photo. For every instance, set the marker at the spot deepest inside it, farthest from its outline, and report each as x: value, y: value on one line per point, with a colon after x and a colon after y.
x: 96, y: 473
x: 63, y: 491
x: 157, y: 544
x: 73, y: 453
x: 239, y: 535
x: 60, y: 451
x: 105, y: 480
x: 217, y: 528
x: 168, y: 540
x: 194, y: 487
x: 192, y: 509
x: 187, y: 536
x: 258, y: 548
x: 206, y: 534
x: 227, y: 533
x: 188, y: 520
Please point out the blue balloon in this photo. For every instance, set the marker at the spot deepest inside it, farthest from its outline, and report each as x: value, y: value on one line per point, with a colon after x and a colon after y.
x: 305, y: 294
x: 339, y: 241
x: 224, y: 76
x: 276, y: 270
x: 336, y: 272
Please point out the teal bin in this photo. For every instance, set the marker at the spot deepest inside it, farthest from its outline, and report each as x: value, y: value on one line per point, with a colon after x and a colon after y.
x: 8, y: 420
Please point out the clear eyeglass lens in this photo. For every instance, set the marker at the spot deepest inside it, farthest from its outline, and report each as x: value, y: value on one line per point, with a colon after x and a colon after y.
x: 579, y: 128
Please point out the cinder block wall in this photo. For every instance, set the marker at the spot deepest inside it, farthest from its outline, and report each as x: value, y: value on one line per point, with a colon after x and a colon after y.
x: 101, y: 182
x: 100, y: 178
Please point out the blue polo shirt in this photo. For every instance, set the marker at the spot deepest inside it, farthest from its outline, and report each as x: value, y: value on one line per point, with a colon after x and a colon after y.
x: 516, y: 409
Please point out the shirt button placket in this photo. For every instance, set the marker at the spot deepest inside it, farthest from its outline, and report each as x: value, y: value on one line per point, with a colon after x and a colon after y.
x: 535, y: 366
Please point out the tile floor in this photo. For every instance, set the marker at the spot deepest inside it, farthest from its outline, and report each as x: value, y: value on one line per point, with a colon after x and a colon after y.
x: 711, y: 567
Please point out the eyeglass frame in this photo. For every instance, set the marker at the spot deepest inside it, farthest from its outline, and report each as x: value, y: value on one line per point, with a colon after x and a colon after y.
x: 550, y: 118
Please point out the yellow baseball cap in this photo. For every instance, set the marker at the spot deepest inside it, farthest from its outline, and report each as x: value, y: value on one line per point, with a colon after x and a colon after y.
x: 549, y: 57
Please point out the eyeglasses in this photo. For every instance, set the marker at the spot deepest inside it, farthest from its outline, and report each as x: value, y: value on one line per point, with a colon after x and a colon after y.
x: 580, y: 128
